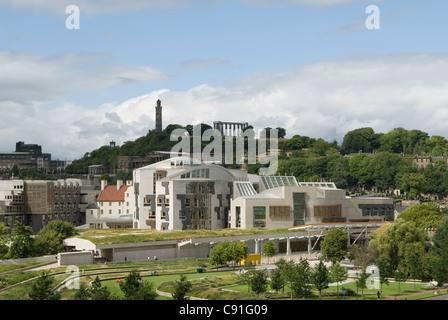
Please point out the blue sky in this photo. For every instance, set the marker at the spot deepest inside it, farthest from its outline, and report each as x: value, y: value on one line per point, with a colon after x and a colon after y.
x: 311, y: 67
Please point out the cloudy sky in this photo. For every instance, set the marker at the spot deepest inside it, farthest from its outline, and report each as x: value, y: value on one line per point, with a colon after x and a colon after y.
x: 309, y: 66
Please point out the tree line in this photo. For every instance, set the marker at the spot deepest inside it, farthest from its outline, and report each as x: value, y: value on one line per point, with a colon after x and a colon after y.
x: 20, y: 241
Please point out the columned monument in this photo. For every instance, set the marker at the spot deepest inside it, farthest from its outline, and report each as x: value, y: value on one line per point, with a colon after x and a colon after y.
x: 230, y: 128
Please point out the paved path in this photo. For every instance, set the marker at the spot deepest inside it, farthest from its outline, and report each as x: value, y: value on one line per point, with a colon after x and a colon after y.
x: 417, y: 294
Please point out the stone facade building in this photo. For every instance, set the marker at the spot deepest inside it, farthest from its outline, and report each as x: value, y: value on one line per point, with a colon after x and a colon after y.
x: 37, y: 202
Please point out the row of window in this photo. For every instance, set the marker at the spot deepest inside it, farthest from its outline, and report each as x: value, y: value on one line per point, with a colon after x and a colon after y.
x: 199, y: 173
x: 110, y: 211
x: 101, y: 203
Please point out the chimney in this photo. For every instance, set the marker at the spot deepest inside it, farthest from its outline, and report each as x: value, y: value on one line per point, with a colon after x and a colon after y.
x: 119, y: 184
x: 103, y: 184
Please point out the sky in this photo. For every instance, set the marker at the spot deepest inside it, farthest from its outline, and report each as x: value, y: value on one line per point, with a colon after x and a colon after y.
x: 314, y: 67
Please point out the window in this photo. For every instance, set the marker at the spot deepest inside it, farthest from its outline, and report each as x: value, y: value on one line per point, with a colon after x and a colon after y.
x: 182, y: 215
x: 279, y: 212
x: 329, y: 211
x: 189, y: 188
x: 259, y: 217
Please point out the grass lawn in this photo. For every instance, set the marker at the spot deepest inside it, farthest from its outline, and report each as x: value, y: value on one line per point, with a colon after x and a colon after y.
x: 157, y: 281
x: 393, y: 289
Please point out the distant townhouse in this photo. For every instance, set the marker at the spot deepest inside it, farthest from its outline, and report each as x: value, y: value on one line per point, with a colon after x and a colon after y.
x: 114, y: 207
x: 424, y: 161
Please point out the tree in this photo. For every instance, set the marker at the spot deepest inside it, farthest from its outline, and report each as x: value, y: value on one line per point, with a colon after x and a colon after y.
x: 97, y: 292
x: 134, y: 288
x: 42, y: 289
x: 362, y: 280
x: 334, y: 245
x: 361, y: 255
x: 287, y: 270
x: 4, y: 238
x: 338, y: 170
x: 49, y: 240
x: 439, y: 237
x: 22, y: 243
x: 338, y: 274
x: 360, y: 140
x: 400, y: 275
x: 384, y: 270
x: 281, y: 132
x: 424, y: 215
x: 413, y: 184
x: 397, y: 240
x: 269, y: 249
x: 218, y: 254
x: 320, y: 277
x: 414, y: 256
x: 83, y: 293
x: 181, y: 288
x: 300, y: 278
x: 259, y: 281
x: 237, y: 251
x: 277, y: 281
x: 226, y: 251
x: 440, y: 268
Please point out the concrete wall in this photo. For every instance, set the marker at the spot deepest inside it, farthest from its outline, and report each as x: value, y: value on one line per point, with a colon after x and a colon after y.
x: 75, y: 258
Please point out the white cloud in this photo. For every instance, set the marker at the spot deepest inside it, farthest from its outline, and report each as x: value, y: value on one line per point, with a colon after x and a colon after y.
x: 325, y: 99
x: 197, y: 64
x: 114, y: 6
x: 26, y: 78
x: 88, y: 6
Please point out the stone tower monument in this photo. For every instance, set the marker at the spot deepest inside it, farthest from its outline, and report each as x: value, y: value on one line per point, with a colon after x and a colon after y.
x: 159, y: 116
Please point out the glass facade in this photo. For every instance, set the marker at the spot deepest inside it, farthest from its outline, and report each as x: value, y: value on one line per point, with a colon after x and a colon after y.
x: 259, y: 217
x: 298, y: 208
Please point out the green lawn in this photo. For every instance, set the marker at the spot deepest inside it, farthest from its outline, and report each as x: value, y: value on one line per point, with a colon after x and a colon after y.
x: 391, y: 290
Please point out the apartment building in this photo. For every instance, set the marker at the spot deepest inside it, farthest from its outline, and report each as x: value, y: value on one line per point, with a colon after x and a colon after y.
x: 37, y: 202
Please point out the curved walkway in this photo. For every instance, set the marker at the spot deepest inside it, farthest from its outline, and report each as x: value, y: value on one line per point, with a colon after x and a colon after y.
x: 414, y: 294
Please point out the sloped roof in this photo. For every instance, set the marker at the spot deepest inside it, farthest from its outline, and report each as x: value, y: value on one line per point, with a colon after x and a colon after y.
x: 110, y: 193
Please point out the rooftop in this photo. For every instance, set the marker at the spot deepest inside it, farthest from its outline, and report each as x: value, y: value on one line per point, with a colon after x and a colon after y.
x: 110, y: 193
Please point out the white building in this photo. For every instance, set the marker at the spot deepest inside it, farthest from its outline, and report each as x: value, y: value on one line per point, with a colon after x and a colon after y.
x: 283, y: 202
x: 11, y: 201
x: 181, y: 193
x: 114, y: 208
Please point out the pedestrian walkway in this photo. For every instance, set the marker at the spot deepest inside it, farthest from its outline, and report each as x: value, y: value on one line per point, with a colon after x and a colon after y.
x: 433, y: 291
